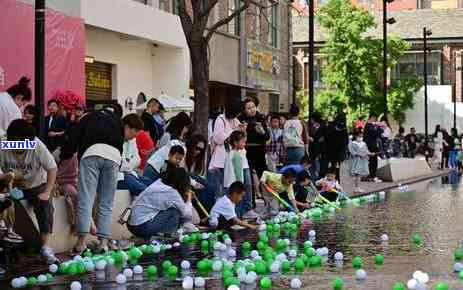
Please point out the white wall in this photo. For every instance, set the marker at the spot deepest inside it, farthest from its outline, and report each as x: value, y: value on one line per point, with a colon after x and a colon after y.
x: 68, y: 7
x: 440, y: 110
x: 139, y: 66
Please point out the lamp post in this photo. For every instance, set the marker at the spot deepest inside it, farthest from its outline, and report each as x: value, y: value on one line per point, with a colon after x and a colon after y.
x: 386, y: 21
x: 426, y: 33
x: 311, y: 57
x: 39, y: 88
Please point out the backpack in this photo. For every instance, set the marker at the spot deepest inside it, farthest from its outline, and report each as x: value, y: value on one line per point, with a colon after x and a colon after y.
x: 291, y: 136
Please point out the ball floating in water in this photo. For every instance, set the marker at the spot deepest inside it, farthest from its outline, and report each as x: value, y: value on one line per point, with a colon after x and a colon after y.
x: 384, y: 238
x: 417, y: 239
x: 295, y: 283
x: 398, y: 286
x: 299, y: 265
x: 121, y: 279
x: 23, y: 281
x: 31, y: 281
x: 76, y: 285
x: 231, y: 253
x: 337, y: 284
x: 360, y: 274
x: 217, y: 266
x: 292, y: 253
x: 412, y: 283
x: 312, y: 233
x: 357, y: 262
x: 421, y: 277
x: 233, y: 287
x: 200, y: 282
x: 16, y: 283
x: 379, y: 259
x: 457, y: 267
x: 185, y: 265
x: 53, y: 268
x: 137, y: 270
x: 100, y: 265
x: 128, y: 273
x: 460, y: 275
x: 166, y: 265
x: 339, y: 256
x: 42, y: 278
x: 152, y: 270
x: 265, y: 283
x: 458, y: 255
x: 442, y: 286
x: 246, y: 246
x: 275, y: 267
x: 172, y: 271
x: 187, y: 283
x: 251, y: 278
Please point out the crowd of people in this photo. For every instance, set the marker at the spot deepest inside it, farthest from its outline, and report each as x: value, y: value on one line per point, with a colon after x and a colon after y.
x: 174, y: 174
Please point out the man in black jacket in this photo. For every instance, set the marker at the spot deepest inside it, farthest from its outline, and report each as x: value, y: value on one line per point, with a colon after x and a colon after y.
x: 152, y: 121
x: 98, y: 140
x: 371, y: 137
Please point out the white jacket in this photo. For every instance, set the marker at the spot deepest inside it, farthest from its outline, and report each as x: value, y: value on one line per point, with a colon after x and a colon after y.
x: 159, y: 157
x: 130, y: 159
x: 9, y: 111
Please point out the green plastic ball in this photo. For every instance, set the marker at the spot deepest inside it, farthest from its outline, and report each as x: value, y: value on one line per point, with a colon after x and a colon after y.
x: 152, y: 270
x: 460, y: 275
x: 260, y: 246
x: 458, y: 255
x: 205, y: 244
x: 202, y: 266
x: 118, y: 258
x: 63, y: 268
x: 88, y: 253
x: 49, y: 277
x: 399, y: 286
x: 309, y: 252
x: 166, y: 265
x: 246, y: 246
x: 379, y: 259
x: 337, y: 284
x: 226, y: 274
x: 264, y: 239
x: 280, y: 245
x: 265, y: 283
x: 80, y: 268
x: 285, y: 267
x: 31, y: 281
x: 417, y: 239
x: 250, y: 267
x: 149, y: 250
x: 441, y: 286
x: 186, y: 239
x: 231, y: 281
x: 172, y: 271
x: 315, y: 261
x: 293, y: 228
x: 299, y: 265
x: 72, y: 270
x: 357, y: 262
x: 261, y: 268
x: 305, y: 259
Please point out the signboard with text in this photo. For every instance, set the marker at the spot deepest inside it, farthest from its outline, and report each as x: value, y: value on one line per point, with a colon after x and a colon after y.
x: 262, y: 67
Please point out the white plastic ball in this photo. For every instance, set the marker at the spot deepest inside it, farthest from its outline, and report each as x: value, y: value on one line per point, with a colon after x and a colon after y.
x: 185, y: 265
x: 217, y: 266
x: 422, y: 278
x: 319, y: 251
x: 223, y: 247
x: 42, y: 278
x: 176, y: 244
x: 421, y: 286
x: 228, y: 242
x: 339, y: 256
x: 293, y: 253
x: 76, y: 285
x: 200, y: 282
x: 100, y: 265
x: 53, y: 268
x: 360, y: 274
x: 89, y: 266
x: 128, y: 273
x: 417, y: 274
x: 111, y: 261
x: 308, y: 244
x: 23, y: 281
x: 384, y: 238
x: 262, y: 227
x: 275, y: 267
x: 281, y: 257
x: 217, y: 246
x: 457, y: 267
x: 254, y: 253
x: 233, y: 287
x: 187, y: 283
x: 325, y: 251
x: 121, y: 279
x: 287, y: 242
x: 168, y: 246
x: 251, y: 278
x: 205, y: 236
x: 312, y: 233
x: 296, y: 283
x: 78, y: 258
x: 137, y: 270
x: 240, y: 271
x: 16, y: 283
x: 411, y: 284
x: 231, y: 253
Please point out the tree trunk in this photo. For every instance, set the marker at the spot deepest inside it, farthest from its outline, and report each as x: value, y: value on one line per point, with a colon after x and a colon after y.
x: 200, y: 67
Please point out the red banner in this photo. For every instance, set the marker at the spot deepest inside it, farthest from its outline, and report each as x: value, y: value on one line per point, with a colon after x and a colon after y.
x: 64, y: 52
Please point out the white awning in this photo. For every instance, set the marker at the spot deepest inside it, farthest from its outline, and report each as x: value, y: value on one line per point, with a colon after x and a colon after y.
x: 172, y: 104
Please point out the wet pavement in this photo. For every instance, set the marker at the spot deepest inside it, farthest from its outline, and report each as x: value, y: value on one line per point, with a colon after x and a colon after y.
x: 432, y: 209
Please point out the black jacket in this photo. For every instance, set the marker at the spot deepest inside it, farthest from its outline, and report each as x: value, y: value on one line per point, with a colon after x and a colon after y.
x: 255, y: 138
x: 96, y: 127
x: 337, y: 140
x: 150, y: 125
x: 58, y: 124
x: 371, y: 136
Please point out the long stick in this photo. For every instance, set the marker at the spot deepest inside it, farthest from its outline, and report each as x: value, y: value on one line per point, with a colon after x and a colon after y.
x: 203, y: 209
x: 341, y: 193
x: 327, y: 201
x: 282, y: 201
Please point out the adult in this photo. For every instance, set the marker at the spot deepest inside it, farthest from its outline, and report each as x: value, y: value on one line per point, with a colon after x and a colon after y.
x: 177, y: 126
x: 163, y: 206
x: 412, y: 142
x: 152, y: 119
x: 11, y: 103
x: 145, y: 146
x: 30, y: 115
x: 294, y: 137
x: 399, y: 146
x: 454, y: 147
x: 98, y: 140
x: 448, y: 143
x: 385, y: 137
x: 55, y: 126
x: 317, y: 147
x: 371, y: 137
x: 438, y: 146
x: 337, y: 140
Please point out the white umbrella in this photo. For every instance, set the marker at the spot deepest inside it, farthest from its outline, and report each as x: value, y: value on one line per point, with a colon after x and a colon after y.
x: 172, y: 104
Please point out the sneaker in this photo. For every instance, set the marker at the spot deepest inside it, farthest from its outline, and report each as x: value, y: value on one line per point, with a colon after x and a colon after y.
x: 189, y: 228
x: 3, y: 226
x: 12, y: 237
x: 250, y: 215
x: 49, y: 255
x: 377, y: 180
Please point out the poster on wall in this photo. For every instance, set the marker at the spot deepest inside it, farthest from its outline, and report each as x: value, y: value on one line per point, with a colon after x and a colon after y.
x: 64, y: 52
x: 262, y: 67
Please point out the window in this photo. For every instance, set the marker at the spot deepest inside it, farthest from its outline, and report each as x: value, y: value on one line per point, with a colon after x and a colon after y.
x: 164, y: 5
x: 273, y: 25
x: 424, y: 4
x: 413, y: 63
x: 257, y: 23
x: 175, y: 7
x: 234, y: 24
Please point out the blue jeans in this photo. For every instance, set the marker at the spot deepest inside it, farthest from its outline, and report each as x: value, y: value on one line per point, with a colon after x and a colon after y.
x: 206, y: 196
x: 150, y: 174
x: 294, y: 155
x: 453, y: 159
x: 96, y: 175
x: 166, y: 221
x: 215, y: 180
x: 246, y: 203
x: 132, y: 183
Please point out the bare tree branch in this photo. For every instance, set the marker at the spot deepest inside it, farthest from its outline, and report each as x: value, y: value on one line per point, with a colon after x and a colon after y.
x: 222, y: 22
x: 211, y: 6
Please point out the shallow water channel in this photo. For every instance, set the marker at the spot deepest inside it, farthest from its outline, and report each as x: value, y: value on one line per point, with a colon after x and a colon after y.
x: 432, y: 209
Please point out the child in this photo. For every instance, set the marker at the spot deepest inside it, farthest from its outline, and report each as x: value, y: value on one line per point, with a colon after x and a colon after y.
x: 305, y: 190
x: 274, y: 145
x: 157, y: 164
x: 329, y: 184
x: 223, y: 214
x: 304, y: 165
x: 359, y: 159
x: 282, y: 184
